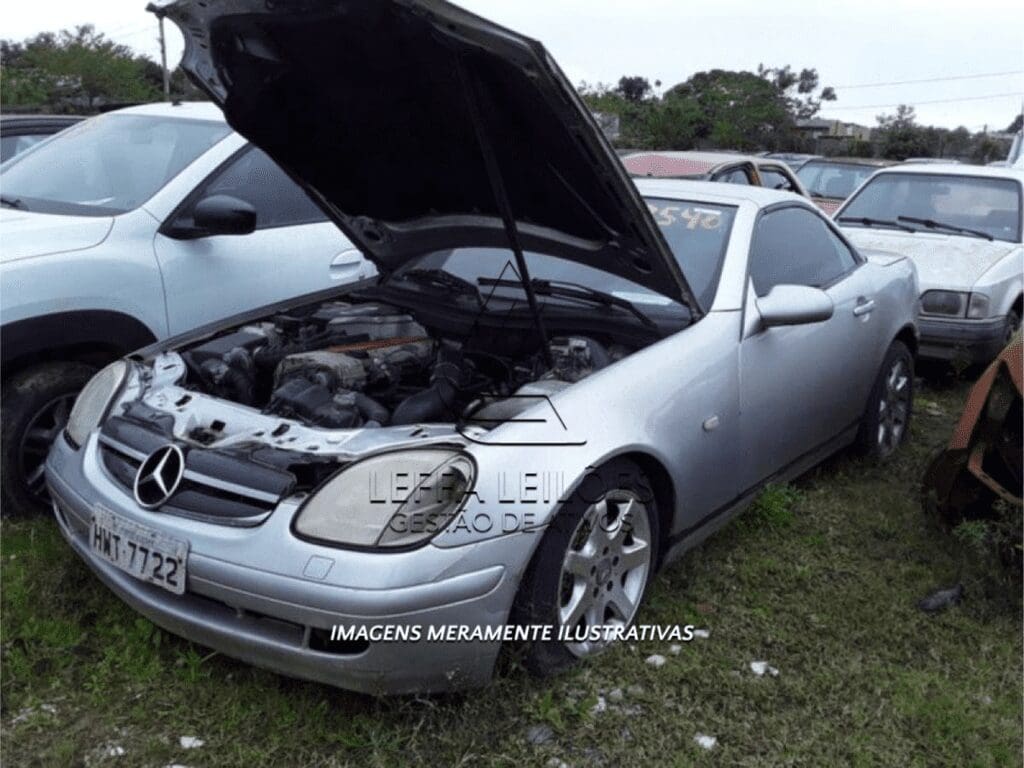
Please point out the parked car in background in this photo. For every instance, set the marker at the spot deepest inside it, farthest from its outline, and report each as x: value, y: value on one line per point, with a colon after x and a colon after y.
x: 962, y: 227
x: 831, y: 180
x: 19, y: 132
x: 126, y: 229
x: 715, y: 166
x: 727, y: 335
x: 930, y: 161
x: 795, y: 160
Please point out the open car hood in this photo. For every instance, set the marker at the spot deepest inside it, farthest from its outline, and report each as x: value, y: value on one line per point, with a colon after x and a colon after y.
x: 387, y: 112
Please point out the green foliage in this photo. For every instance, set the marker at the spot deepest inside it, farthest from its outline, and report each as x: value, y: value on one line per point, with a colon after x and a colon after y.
x: 720, y: 108
x: 860, y: 148
x: 997, y: 539
x: 77, y: 70
x: 741, y: 110
x: 798, y: 89
x: 773, y: 509
x: 901, y: 137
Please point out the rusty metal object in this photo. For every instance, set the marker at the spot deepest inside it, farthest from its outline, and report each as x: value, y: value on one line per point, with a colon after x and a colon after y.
x: 983, y: 461
x: 363, y: 346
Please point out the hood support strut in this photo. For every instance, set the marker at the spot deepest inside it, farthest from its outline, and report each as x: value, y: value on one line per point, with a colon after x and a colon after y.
x: 470, y: 86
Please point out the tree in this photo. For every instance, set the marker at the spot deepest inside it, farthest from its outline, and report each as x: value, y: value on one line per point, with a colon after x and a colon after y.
x: 76, y: 70
x: 1017, y: 124
x: 740, y: 110
x: 634, y: 88
x: 798, y: 89
x: 901, y: 137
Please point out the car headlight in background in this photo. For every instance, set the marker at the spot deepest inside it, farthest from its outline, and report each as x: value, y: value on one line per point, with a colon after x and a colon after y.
x: 978, y: 306
x: 91, y: 405
x: 393, y: 500
x: 949, y: 303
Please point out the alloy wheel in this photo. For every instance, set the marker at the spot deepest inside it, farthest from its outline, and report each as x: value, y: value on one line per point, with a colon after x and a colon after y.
x: 605, y: 570
x: 893, y: 408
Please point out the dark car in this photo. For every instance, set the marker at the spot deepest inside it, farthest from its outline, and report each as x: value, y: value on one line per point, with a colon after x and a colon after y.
x: 19, y: 132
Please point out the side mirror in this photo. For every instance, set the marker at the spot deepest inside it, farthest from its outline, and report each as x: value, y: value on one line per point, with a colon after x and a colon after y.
x: 224, y: 215
x: 794, y: 305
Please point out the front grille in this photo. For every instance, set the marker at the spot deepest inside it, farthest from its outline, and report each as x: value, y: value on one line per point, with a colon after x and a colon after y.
x: 227, y: 490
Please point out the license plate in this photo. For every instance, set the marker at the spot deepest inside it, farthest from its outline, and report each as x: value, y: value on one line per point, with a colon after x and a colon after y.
x: 144, y: 553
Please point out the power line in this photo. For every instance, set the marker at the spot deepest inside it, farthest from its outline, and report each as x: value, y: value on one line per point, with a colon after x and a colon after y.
x: 930, y: 80
x: 913, y: 103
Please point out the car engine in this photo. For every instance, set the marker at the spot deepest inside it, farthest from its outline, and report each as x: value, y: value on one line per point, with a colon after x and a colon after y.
x: 352, y: 365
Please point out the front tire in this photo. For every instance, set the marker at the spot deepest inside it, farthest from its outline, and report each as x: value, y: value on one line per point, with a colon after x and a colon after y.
x: 34, y: 410
x: 592, y: 567
x: 886, y: 420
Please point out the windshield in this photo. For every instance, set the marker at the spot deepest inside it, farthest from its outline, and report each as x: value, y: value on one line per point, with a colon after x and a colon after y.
x: 107, y: 165
x: 833, y: 180
x: 986, y: 205
x: 697, y: 233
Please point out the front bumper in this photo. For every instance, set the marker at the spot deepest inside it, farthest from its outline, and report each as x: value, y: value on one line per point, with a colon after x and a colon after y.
x: 974, y: 341
x: 269, y: 616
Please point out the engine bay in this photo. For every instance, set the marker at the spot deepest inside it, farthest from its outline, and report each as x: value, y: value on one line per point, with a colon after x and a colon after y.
x: 341, y: 365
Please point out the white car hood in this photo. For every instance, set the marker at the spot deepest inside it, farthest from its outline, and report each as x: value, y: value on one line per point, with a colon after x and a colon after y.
x: 943, y: 261
x: 27, y: 234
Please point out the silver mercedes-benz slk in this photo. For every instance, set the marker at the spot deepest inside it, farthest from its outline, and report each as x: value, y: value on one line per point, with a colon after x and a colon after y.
x: 559, y: 381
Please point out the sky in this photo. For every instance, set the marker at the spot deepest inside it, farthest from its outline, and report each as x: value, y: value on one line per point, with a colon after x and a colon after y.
x: 973, y: 52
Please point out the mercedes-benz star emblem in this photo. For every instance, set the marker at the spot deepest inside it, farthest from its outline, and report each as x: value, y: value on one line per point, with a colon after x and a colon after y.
x: 159, y: 476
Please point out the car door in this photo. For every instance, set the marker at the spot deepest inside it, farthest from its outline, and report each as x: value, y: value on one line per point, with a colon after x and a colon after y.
x: 741, y: 173
x: 802, y: 385
x: 779, y: 177
x: 294, y: 250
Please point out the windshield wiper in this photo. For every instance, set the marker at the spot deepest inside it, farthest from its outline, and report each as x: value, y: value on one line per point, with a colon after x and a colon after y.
x: 12, y: 202
x: 438, y: 278
x: 933, y: 224
x: 573, y: 291
x: 867, y: 221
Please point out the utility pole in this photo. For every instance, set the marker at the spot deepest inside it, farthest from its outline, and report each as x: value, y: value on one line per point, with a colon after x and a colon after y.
x: 159, y: 11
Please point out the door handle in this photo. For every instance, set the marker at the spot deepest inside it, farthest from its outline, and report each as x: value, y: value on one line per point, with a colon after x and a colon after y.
x: 347, y: 263
x: 864, y: 307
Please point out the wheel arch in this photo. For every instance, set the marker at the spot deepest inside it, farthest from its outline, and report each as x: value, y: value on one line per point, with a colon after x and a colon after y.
x: 90, y: 336
x: 664, y: 492
x: 908, y: 336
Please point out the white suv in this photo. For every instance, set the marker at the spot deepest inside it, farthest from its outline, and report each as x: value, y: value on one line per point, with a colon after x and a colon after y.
x: 128, y: 228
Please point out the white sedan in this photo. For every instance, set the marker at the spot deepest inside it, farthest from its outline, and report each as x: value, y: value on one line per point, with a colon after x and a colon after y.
x: 961, y: 225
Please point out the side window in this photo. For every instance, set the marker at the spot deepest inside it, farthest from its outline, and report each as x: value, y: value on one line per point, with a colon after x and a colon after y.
x: 14, y: 145
x: 253, y: 177
x: 774, y: 179
x: 793, y: 246
x: 734, y: 176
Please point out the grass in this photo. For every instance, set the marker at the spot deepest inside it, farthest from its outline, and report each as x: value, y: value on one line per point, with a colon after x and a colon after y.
x: 819, y: 579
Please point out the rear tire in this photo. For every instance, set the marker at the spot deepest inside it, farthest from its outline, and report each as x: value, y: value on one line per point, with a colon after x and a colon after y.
x: 593, y: 565
x: 1012, y: 323
x: 886, y: 421
x: 34, y: 410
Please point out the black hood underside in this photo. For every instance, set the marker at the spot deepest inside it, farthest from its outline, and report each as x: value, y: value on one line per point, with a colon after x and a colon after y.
x: 385, y: 110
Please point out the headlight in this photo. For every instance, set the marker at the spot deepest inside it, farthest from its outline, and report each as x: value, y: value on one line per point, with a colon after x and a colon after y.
x: 951, y: 303
x: 978, y: 306
x: 91, y: 405
x: 397, y: 499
